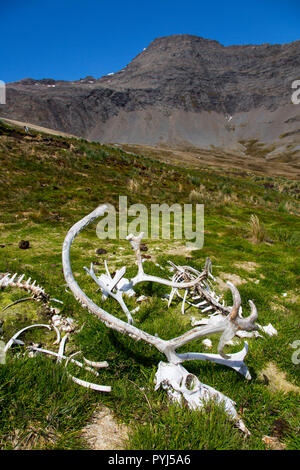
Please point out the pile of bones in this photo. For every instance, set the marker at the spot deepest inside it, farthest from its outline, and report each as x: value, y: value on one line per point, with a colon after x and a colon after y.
x: 181, y: 386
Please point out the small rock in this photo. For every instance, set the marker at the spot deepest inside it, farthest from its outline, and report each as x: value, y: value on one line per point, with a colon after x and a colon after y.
x: 24, y: 244
x: 269, y: 329
x: 36, y: 345
x: 207, y: 343
x: 101, y: 251
x: 143, y: 247
x: 281, y: 427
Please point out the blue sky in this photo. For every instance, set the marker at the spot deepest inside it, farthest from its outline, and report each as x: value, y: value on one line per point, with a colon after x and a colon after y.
x: 69, y: 39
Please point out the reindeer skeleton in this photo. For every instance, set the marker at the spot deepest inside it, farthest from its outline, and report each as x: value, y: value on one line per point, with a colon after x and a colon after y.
x: 171, y: 375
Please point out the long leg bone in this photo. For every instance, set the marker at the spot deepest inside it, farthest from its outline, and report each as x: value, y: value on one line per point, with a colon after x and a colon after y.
x: 99, y: 388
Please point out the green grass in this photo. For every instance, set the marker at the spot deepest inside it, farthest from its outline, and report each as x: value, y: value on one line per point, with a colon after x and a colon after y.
x: 47, y: 184
x: 40, y: 407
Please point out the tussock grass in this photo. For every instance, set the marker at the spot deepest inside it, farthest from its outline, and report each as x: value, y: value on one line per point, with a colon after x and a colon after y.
x: 196, y: 196
x: 257, y: 230
x: 133, y: 185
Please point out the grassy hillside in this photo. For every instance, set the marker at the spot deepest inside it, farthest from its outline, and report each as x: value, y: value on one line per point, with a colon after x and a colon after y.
x: 251, y: 156
x: 47, y: 184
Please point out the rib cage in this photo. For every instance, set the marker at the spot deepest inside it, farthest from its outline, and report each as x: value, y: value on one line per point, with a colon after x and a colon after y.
x: 202, y: 295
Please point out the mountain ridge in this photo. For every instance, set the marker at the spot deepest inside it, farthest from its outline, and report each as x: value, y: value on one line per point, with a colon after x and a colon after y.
x: 180, y: 90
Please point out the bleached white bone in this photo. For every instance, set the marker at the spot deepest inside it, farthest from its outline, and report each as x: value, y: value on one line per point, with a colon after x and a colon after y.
x: 61, y: 348
x: 84, y: 383
x: 107, y: 290
x: 97, y: 365
x: 52, y: 353
x: 15, y: 336
x: 235, y: 361
x: 269, y: 329
x: 183, y: 387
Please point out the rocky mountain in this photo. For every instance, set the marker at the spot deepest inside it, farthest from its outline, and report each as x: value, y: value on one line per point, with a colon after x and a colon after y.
x: 181, y: 90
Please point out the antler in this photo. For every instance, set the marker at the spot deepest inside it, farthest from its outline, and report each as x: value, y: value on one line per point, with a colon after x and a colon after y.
x: 109, y: 320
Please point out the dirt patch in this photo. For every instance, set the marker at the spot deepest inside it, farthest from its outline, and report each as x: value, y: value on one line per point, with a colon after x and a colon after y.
x: 276, y: 380
x: 234, y: 278
x: 249, y: 266
x: 179, y: 250
x: 276, y: 307
x: 104, y: 432
x: 292, y: 297
x: 216, y: 158
x: 273, y: 443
